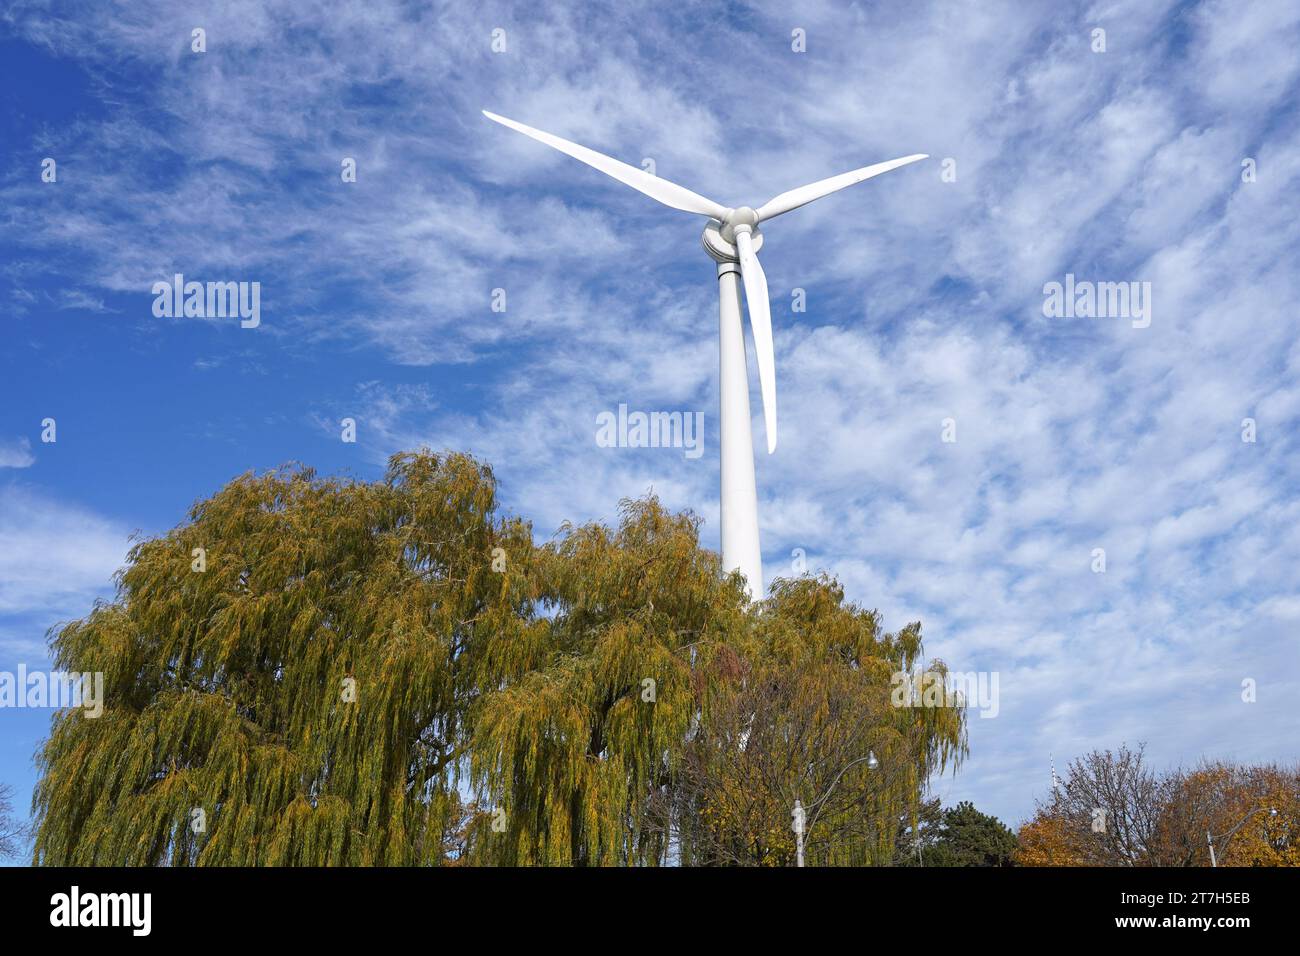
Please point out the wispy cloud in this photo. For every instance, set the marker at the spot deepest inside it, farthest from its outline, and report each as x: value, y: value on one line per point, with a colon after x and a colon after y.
x: 54, y: 557
x: 16, y: 453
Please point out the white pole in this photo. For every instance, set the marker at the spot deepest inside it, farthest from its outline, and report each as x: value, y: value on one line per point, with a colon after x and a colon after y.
x: 798, y: 832
x: 739, y: 499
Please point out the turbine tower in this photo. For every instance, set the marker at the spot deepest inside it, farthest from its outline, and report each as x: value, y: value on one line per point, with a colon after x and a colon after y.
x: 732, y: 239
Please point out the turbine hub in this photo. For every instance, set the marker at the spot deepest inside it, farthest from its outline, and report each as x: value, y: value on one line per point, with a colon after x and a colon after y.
x: 735, y: 217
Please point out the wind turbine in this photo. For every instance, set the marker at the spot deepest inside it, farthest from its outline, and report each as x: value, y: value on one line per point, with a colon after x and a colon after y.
x: 732, y: 240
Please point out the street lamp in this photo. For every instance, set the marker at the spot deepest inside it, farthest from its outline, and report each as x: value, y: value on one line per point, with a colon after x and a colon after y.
x: 1210, y: 837
x: 799, y: 826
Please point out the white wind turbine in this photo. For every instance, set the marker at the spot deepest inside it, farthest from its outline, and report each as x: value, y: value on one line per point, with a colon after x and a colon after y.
x: 732, y: 239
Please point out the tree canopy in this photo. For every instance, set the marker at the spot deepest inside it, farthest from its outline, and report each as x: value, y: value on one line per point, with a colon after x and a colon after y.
x: 1112, y: 810
x: 956, y: 836
x: 310, y: 671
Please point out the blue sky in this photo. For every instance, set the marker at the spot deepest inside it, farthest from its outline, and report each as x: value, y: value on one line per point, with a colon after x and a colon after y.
x: 924, y: 302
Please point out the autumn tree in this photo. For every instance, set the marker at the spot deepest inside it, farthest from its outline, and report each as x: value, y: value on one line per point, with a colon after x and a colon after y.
x: 1195, y: 803
x: 1269, y: 808
x: 1106, y: 808
x: 1048, y: 840
x: 1215, y: 798
x: 802, y: 711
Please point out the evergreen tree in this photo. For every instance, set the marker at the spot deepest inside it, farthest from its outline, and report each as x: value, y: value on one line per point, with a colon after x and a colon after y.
x: 970, y: 838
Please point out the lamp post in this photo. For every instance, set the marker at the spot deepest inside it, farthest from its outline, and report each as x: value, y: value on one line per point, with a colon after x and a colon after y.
x: 799, y: 826
x: 1210, y: 837
x: 798, y: 832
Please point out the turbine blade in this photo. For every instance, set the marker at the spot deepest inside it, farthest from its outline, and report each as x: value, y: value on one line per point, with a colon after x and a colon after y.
x: 670, y: 194
x: 760, y: 322
x: 806, y: 194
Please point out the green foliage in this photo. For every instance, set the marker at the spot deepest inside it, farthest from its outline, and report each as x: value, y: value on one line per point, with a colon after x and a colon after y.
x: 970, y: 838
x: 392, y: 673
x: 956, y: 836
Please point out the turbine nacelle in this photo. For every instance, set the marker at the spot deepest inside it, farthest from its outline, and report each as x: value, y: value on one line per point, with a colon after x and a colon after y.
x: 719, y: 241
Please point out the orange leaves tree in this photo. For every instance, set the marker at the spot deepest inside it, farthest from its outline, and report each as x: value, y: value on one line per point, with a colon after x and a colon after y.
x: 1272, y: 836
x: 1216, y: 798
x: 1048, y: 840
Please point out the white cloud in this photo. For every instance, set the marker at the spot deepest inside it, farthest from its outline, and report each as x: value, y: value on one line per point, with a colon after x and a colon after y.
x: 16, y: 453
x: 55, y: 558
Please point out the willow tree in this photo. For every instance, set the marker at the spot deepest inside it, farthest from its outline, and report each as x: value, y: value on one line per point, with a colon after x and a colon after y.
x: 310, y: 671
x: 570, y: 755
x: 288, y: 675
